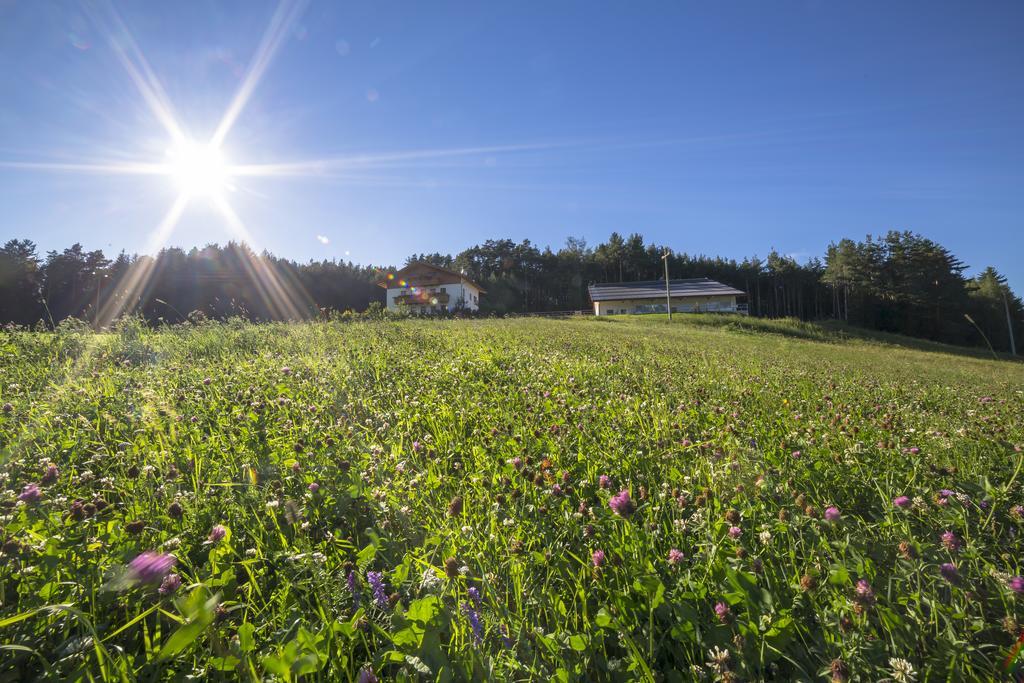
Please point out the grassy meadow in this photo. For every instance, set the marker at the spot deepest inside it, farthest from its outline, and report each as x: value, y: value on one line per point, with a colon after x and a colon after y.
x: 549, y: 500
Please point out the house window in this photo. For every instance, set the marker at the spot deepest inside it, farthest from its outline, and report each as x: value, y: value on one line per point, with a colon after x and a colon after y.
x: 444, y: 290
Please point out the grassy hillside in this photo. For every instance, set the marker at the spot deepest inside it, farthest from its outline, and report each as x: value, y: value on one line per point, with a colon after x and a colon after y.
x: 506, y: 500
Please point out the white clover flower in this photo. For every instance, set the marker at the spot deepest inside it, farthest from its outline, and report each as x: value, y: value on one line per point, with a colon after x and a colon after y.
x: 250, y: 552
x: 719, y: 659
x: 902, y: 670
x: 765, y: 537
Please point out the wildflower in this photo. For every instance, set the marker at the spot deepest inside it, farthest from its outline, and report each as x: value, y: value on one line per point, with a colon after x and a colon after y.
x: 732, y: 516
x: 901, y: 502
x: 217, y: 533
x: 808, y: 582
x: 376, y: 581
x: 1017, y: 512
x: 950, y: 542
x: 840, y: 671
x: 864, y: 595
x: 135, y: 527
x: 517, y: 462
x: 286, y: 370
x: 474, y: 595
x: 604, y: 481
x: 598, y: 558
x: 366, y: 675
x: 352, y: 581
x: 621, y: 504
x: 765, y: 537
x: 314, y: 487
x: 832, y: 514
x: 474, y: 622
x: 50, y: 475
x: 949, y: 572
x: 175, y: 510
x: 170, y: 584
x: 675, y: 556
x: 906, y: 550
x: 735, y: 532
x: 505, y: 640
x: 1017, y: 584
x: 723, y: 612
x: 150, y: 567
x: 719, y: 659
x: 30, y: 494
x: 902, y: 670
x: 451, y: 568
x: 797, y: 454
x: 416, y: 446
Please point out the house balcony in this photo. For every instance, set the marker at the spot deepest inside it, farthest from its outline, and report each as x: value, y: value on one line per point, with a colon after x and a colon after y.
x: 423, y: 299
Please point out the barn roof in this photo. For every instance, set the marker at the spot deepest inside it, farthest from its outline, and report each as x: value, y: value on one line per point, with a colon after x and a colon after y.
x: 655, y: 289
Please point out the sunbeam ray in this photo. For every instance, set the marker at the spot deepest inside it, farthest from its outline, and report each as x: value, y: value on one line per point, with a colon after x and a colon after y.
x: 133, y: 284
x: 285, y: 301
x: 287, y: 12
x: 103, y: 168
x: 315, y: 167
x: 135, y: 63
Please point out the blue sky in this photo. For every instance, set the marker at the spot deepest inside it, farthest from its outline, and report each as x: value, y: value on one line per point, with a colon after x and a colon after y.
x: 721, y: 128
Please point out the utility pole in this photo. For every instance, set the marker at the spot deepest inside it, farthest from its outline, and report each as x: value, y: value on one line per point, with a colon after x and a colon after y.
x: 668, y: 291
x: 1009, y: 325
x: 99, y: 284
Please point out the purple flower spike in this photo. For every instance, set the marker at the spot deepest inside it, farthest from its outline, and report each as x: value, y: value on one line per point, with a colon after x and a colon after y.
x: 217, y: 533
x: 376, y: 581
x: 901, y: 502
x: 474, y: 622
x: 832, y: 514
x: 949, y: 572
x: 597, y: 558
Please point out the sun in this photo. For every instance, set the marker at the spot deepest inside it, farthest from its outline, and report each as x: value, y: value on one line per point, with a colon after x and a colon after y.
x: 199, y: 170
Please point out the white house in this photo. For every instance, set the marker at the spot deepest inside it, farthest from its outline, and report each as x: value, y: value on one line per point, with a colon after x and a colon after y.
x: 693, y: 295
x: 424, y: 288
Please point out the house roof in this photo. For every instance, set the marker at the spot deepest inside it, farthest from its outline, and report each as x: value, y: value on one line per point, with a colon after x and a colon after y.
x: 445, y: 276
x: 655, y: 289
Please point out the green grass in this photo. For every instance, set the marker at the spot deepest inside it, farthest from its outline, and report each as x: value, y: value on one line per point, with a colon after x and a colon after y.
x: 458, y: 455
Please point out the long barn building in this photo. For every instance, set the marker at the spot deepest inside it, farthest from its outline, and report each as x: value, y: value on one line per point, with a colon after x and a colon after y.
x: 692, y: 295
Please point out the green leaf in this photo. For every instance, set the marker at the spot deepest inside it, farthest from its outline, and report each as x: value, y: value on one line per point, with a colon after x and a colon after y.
x: 182, y: 638
x: 603, y: 618
x: 246, y: 639
x: 366, y: 555
x: 579, y: 642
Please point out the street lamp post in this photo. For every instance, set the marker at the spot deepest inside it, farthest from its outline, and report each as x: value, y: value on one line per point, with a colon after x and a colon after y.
x: 668, y: 291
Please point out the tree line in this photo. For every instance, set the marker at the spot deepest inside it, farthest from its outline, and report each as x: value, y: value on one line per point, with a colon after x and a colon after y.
x: 901, y: 282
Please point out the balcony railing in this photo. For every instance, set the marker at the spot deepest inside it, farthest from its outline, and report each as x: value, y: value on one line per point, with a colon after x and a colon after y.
x: 423, y: 299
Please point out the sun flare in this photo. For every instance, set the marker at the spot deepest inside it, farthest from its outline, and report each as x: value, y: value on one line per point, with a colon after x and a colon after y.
x: 198, y: 170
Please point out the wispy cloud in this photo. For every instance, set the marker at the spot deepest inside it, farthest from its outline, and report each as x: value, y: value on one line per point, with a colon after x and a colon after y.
x: 323, y: 239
